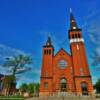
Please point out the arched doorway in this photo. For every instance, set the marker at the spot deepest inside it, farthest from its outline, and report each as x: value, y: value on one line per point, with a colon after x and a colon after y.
x: 63, y: 85
x: 84, y: 88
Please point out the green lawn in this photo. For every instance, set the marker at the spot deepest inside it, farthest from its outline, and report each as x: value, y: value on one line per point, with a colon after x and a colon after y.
x: 11, y: 98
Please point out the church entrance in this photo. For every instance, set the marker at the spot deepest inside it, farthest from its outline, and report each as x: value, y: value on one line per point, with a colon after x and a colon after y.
x: 84, y: 88
x: 63, y: 85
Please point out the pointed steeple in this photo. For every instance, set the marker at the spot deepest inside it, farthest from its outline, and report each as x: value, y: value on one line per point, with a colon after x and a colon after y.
x: 73, y: 24
x: 49, y: 43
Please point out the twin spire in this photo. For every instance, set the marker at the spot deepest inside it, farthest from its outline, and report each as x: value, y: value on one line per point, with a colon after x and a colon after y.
x: 73, y: 26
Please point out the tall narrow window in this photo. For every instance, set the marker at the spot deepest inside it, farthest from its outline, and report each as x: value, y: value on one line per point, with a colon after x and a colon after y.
x: 79, y: 36
x: 81, y: 71
x: 73, y: 36
x: 71, y: 70
x: 49, y: 52
x: 46, y: 74
x: 45, y: 85
x: 63, y: 84
x: 77, y: 47
x: 84, y: 88
x: 44, y: 51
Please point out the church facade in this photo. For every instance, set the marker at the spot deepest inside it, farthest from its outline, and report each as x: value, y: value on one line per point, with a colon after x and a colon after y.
x: 65, y: 72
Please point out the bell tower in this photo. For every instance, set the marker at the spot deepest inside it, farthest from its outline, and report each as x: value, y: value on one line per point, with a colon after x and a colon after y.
x: 80, y: 64
x: 47, y: 68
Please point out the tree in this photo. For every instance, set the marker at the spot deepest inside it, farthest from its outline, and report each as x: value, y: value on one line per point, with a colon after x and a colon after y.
x: 23, y: 87
x: 97, y: 86
x: 32, y: 88
x: 37, y: 87
x: 17, y: 65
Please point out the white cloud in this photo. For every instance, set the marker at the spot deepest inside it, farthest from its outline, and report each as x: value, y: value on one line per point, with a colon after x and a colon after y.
x: 7, y: 51
x: 30, y: 77
x: 98, y: 51
x: 95, y: 78
x: 4, y: 70
x: 92, y: 26
x: 92, y: 38
x: 4, y: 49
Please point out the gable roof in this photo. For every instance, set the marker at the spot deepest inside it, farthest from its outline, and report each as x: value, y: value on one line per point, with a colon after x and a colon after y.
x: 63, y: 51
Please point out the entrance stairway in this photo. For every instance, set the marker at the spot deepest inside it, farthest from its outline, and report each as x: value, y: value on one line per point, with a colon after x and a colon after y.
x: 64, y: 96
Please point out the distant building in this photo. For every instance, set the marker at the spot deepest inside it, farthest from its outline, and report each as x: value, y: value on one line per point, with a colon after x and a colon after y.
x: 7, y: 84
x: 66, y: 72
x: 1, y: 82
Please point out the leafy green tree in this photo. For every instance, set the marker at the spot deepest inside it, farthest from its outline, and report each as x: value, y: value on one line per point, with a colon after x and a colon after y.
x: 24, y: 87
x: 37, y: 87
x: 97, y: 86
x: 31, y: 88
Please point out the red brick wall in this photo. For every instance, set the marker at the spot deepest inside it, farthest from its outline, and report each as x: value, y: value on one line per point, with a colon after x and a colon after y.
x: 58, y: 73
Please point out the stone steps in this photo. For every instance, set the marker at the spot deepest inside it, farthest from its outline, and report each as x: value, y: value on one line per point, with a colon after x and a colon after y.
x: 64, y: 98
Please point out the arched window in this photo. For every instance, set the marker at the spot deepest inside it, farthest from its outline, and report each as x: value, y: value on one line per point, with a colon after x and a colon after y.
x: 63, y: 84
x: 63, y: 80
x: 46, y: 74
x: 84, y: 88
x: 79, y: 35
x: 45, y: 85
x: 81, y: 71
x: 49, y: 52
x: 44, y: 51
x: 73, y: 36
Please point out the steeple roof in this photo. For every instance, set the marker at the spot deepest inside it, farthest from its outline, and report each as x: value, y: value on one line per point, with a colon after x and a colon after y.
x: 49, y: 43
x: 73, y: 24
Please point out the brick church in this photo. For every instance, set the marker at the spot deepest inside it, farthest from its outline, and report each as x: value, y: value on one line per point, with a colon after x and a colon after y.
x: 64, y: 72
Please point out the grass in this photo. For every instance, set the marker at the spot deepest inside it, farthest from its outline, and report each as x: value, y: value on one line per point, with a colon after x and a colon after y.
x: 11, y: 98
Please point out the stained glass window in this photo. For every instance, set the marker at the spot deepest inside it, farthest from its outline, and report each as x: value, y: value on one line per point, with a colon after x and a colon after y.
x: 62, y: 63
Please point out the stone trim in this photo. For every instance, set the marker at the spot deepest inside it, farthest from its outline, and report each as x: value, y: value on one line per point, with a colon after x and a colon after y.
x: 76, y: 40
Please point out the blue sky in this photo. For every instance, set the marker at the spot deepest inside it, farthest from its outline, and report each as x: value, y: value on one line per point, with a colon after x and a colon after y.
x: 26, y: 24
